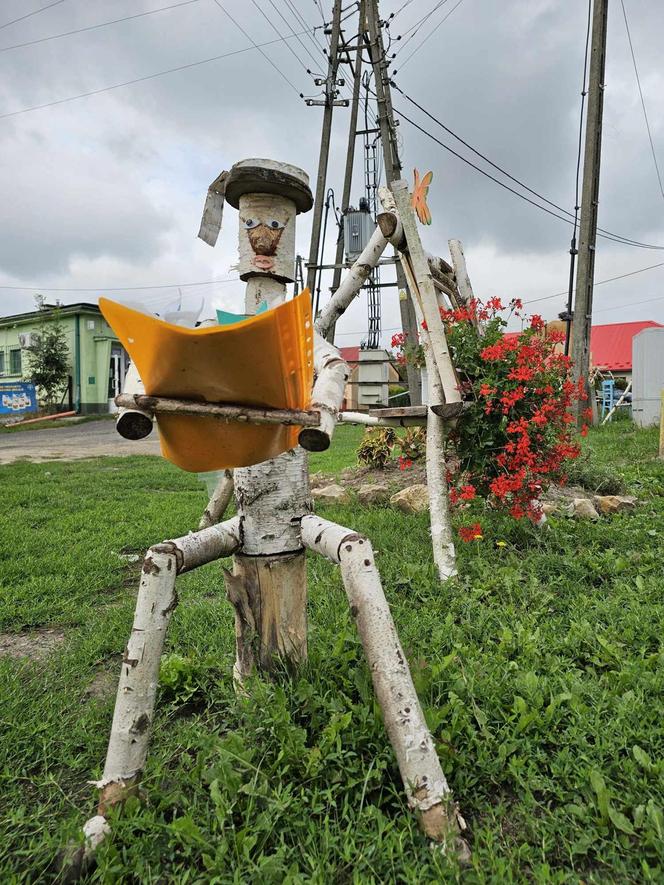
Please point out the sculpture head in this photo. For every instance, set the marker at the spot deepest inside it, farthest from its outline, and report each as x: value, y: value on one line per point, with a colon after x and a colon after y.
x: 269, y: 195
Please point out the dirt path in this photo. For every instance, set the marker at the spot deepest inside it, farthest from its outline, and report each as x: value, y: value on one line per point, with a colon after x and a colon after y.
x: 89, y: 440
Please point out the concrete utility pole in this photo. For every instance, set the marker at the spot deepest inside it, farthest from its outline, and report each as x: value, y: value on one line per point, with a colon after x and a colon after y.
x: 583, y: 302
x: 350, y: 155
x: 329, y: 102
x: 392, y: 172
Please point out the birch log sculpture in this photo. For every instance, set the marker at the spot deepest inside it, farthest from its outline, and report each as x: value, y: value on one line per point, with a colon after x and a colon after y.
x: 219, y: 500
x: 425, y: 294
x: 267, y: 587
x: 132, y: 421
x: 460, y: 272
x: 442, y: 539
x: 426, y: 786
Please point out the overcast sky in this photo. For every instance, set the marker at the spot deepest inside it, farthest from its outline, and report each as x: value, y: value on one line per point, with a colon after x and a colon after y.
x: 106, y: 191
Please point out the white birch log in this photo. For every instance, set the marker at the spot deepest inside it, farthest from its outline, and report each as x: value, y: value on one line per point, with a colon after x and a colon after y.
x: 264, y: 250
x: 206, y: 545
x: 133, y: 422
x: 610, y: 414
x: 269, y: 590
x: 219, y: 500
x: 240, y: 414
x: 134, y: 705
x: 442, y: 538
x: 374, y: 421
x: 352, y: 283
x: 327, y: 396
x: 460, y: 272
x: 426, y: 786
x: 426, y: 294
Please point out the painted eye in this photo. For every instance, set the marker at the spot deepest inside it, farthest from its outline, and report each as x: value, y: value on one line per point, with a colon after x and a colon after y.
x: 250, y: 223
x: 273, y: 224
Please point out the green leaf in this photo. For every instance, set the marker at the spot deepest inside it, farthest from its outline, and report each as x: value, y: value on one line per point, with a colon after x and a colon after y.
x: 641, y: 757
x: 599, y: 787
x: 620, y: 822
x: 656, y: 817
x: 640, y: 583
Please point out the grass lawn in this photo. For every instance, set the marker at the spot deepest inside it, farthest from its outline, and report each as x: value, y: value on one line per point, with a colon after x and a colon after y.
x: 541, y: 669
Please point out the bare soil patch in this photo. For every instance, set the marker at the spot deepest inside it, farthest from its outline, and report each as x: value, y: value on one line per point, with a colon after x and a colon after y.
x: 36, y: 645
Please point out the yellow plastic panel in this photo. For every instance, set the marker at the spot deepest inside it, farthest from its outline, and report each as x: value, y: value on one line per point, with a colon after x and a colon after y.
x: 263, y: 361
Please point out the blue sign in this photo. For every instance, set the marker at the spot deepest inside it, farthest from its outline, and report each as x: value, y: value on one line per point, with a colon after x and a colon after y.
x: 17, y: 397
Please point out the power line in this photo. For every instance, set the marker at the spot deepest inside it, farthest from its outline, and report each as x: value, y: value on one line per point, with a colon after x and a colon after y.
x: 192, y: 64
x: 643, y: 104
x: 309, y: 29
x: 118, y: 288
x: 258, y: 47
x: 414, y: 28
x: 605, y: 233
x: 430, y: 34
x: 29, y: 14
x: 400, y: 9
x: 114, y: 21
x: 291, y: 31
x: 279, y: 34
x: 633, y: 304
x: 621, y: 276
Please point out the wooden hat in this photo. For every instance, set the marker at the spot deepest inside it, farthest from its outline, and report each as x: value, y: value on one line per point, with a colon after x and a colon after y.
x: 269, y: 177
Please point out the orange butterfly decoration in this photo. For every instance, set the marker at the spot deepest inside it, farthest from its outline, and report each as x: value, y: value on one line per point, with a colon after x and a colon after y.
x: 419, y: 196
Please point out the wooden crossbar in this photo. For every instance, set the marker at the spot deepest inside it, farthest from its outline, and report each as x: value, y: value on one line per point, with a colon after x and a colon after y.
x: 223, y: 411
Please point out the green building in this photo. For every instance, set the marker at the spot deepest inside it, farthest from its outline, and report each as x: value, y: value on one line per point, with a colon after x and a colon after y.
x: 98, y: 360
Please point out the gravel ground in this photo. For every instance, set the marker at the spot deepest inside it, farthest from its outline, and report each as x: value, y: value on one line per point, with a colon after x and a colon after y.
x: 89, y: 440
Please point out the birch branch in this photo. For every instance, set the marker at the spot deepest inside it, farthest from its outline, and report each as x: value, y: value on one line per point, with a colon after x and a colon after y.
x: 352, y: 283
x: 460, y: 272
x: 442, y: 539
x: 375, y: 421
x: 609, y: 414
x: 424, y: 781
x: 425, y: 293
x: 139, y: 676
x: 219, y: 500
x: 327, y: 395
x: 133, y: 422
x: 224, y: 411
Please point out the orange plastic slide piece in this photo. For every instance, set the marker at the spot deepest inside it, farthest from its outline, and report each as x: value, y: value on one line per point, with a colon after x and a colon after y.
x: 263, y: 361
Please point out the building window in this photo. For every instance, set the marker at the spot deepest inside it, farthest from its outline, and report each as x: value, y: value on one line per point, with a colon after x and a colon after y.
x: 15, y: 361
x: 2, y: 362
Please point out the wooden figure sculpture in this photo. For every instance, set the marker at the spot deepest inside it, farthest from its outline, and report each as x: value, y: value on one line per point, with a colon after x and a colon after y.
x: 274, y: 523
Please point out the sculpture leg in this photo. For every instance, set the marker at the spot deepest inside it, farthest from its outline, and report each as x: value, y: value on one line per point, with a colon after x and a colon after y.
x: 139, y: 676
x: 426, y: 786
x: 268, y: 588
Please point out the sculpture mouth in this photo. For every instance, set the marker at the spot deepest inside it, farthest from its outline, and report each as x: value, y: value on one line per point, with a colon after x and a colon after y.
x: 263, y: 262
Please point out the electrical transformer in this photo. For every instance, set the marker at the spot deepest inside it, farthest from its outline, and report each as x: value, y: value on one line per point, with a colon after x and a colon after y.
x: 358, y: 228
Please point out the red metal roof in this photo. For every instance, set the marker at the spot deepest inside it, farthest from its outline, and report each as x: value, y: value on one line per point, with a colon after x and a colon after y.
x: 611, y: 344
x: 350, y: 354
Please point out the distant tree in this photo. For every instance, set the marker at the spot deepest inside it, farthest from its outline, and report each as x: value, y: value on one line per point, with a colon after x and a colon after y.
x: 49, y: 356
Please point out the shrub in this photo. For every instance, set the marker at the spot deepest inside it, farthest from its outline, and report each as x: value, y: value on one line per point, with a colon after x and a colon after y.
x: 516, y: 436
x: 375, y: 449
x: 412, y: 444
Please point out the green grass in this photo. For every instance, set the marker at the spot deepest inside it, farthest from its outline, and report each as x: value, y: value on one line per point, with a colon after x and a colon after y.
x: 541, y: 670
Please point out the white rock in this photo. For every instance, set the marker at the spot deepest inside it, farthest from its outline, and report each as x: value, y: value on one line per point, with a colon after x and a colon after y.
x: 332, y: 494
x: 372, y: 493
x: 414, y: 499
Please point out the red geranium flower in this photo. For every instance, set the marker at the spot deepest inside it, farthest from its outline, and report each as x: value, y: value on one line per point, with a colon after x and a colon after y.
x: 471, y: 533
